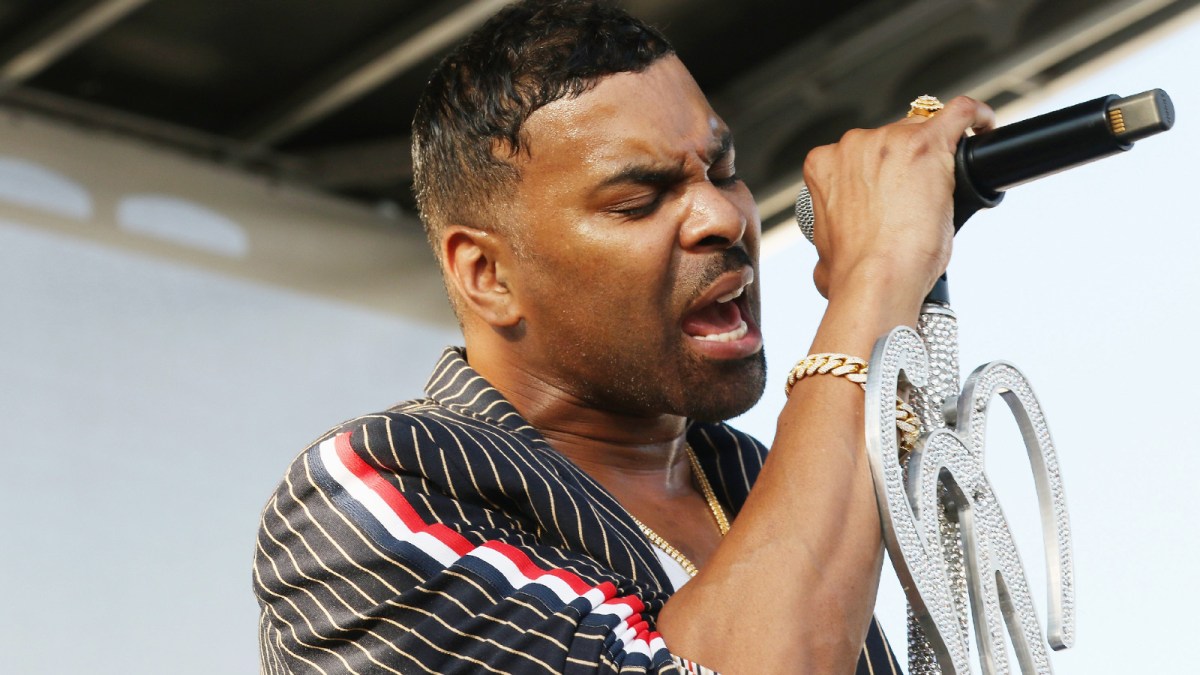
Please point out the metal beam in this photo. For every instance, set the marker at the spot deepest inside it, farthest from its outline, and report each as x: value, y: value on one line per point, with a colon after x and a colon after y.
x: 331, y: 96
x: 186, y: 139
x: 59, y: 36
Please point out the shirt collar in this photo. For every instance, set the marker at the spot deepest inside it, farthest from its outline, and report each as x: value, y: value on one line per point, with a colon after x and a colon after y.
x: 457, y: 386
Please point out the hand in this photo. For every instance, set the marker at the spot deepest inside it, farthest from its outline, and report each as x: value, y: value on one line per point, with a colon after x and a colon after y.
x: 882, y: 200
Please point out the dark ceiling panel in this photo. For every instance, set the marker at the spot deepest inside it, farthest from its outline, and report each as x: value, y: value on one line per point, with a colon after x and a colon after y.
x: 313, y: 90
x: 717, y: 38
x: 385, y: 112
x: 17, y: 17
x: 212, y: 65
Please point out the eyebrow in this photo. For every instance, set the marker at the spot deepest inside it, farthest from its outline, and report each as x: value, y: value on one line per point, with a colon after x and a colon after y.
x: 659, y: 174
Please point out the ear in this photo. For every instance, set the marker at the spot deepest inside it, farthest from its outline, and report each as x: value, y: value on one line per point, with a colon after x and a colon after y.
x: 476, y: 266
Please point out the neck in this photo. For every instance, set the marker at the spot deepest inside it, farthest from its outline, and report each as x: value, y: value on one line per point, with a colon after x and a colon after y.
x: 611, y: 446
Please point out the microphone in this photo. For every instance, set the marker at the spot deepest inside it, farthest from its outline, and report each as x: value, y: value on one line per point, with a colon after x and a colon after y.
x: 988, y: 164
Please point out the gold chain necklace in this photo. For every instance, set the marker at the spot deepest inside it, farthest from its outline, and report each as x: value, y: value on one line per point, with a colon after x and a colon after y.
x: 715, y: 506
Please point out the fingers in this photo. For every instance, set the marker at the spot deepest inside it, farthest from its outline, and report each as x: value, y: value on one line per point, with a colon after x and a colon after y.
x: 882, y: 197
x: 961, y: 115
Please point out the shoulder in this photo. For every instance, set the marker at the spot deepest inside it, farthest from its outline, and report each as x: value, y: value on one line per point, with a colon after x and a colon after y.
x: 368, y: 490
x: 404, y: 437
x: 421, y: 448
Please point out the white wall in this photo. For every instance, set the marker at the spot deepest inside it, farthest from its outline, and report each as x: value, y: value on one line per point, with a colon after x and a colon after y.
x: 92, y: 185
x: 152, y: 393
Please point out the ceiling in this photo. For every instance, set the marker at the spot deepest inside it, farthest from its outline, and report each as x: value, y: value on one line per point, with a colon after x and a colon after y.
x: 321, y: 92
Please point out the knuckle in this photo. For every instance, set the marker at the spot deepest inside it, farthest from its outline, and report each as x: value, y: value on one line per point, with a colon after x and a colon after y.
x: 817, y: 154
x: 853, y: 136
x: 815, y: 159
x: 918, y: 144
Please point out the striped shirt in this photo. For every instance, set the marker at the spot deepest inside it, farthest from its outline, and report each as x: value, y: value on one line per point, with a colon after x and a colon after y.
x: 446, y: 535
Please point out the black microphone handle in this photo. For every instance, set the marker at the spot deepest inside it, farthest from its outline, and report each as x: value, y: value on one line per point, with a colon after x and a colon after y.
x: 988, y: 164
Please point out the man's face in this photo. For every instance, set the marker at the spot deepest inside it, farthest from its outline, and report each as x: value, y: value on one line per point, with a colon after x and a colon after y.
x: 637, y: 237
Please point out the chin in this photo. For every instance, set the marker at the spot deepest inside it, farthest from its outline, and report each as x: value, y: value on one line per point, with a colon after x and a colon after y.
x: 732, y: 391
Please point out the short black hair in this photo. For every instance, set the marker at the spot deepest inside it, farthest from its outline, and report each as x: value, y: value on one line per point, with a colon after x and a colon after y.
x: 468, y: 124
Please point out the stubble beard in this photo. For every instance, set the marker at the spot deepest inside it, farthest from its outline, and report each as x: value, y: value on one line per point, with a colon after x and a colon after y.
x: 677, y: 382
x: 715, y: 391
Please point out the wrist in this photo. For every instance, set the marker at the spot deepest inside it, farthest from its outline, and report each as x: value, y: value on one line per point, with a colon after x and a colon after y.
x: 902, y: 272
x: 862, y: 310
x: 881, y: 288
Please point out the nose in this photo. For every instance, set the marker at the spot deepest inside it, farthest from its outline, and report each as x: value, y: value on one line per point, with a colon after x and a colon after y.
x: 715, y: 219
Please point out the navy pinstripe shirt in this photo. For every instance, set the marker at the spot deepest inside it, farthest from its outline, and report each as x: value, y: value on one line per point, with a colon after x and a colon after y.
x: 446, y: 535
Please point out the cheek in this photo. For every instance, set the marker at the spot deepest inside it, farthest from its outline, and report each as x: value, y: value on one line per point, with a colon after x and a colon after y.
x: 603, y: 275
x: 631, y: 259
x: 619, y: 295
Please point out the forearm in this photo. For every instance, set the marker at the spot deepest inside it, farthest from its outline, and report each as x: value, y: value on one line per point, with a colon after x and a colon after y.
x: 793, y: 584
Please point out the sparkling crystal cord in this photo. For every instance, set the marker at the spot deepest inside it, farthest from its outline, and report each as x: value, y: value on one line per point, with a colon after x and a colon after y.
x: 938, y: 328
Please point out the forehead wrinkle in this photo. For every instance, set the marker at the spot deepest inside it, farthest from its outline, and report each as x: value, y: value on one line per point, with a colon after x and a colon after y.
x: 665, y: 172
x: 646, y: 172
x: 715, y: 149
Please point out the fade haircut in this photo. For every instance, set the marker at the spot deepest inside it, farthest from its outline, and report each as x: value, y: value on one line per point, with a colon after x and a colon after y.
x: 467, y: 132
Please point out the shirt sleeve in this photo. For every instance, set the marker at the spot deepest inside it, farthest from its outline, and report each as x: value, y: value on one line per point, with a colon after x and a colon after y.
x: 360, y: 569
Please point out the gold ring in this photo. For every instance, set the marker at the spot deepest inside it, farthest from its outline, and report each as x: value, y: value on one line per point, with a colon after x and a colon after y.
x: 925, y: 106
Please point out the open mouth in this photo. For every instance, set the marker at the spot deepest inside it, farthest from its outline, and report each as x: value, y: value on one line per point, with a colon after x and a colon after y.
x: 720, y: 321
x: 722, y: 314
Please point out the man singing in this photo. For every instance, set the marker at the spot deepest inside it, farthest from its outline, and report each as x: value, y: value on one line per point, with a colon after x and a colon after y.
x: 565, y: 498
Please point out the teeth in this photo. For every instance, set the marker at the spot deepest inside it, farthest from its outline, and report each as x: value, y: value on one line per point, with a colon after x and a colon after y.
x: 732, y: 295
x: 735, y: 334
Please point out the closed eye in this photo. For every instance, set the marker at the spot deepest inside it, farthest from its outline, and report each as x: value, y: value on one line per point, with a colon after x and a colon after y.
x: 640, y: 207
x: 641, y: 190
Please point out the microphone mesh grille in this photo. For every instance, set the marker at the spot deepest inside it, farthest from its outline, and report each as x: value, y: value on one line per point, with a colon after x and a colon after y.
x: 804, y: 213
